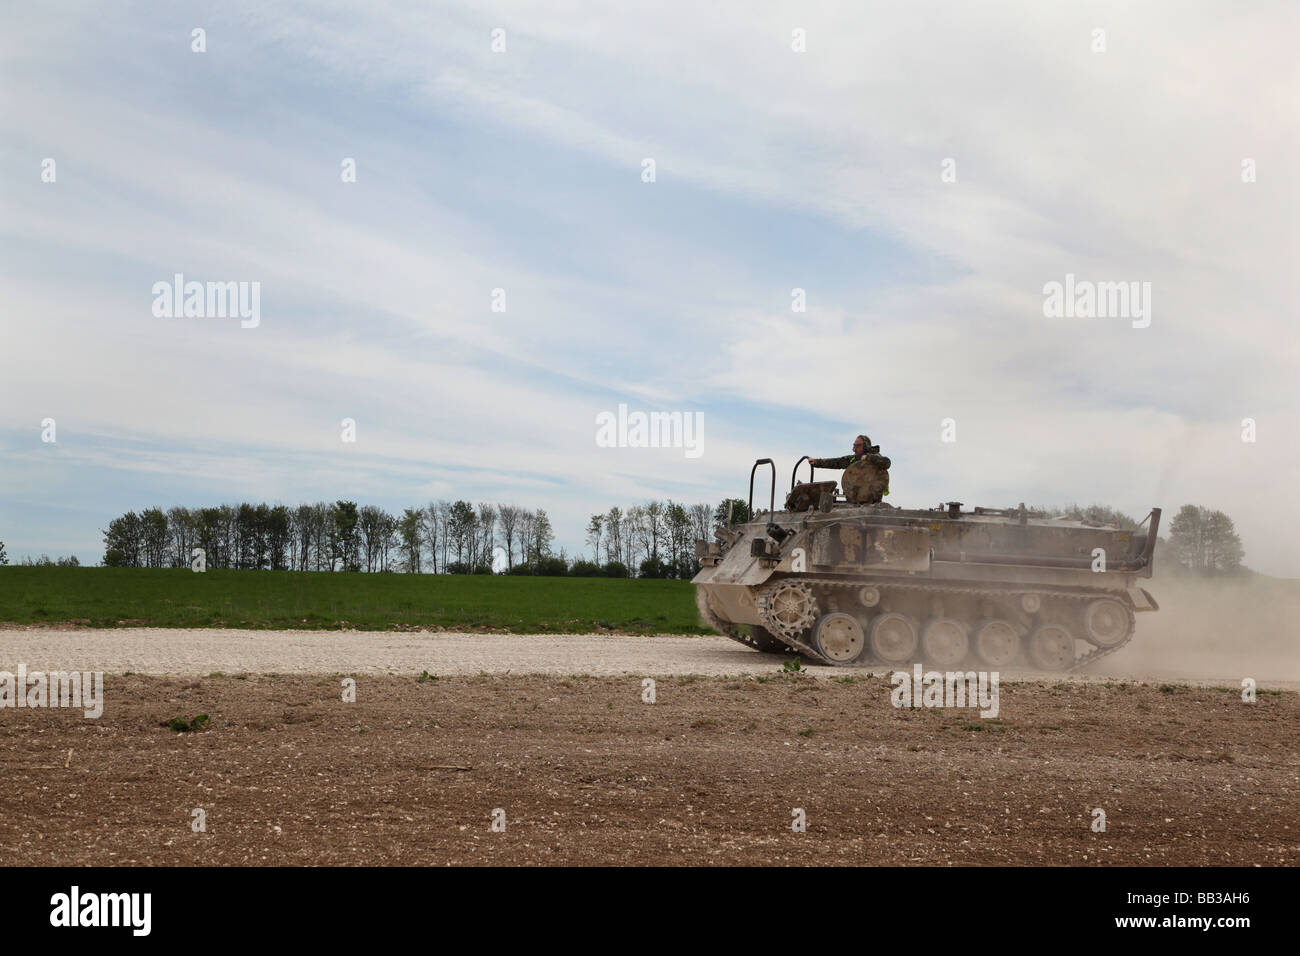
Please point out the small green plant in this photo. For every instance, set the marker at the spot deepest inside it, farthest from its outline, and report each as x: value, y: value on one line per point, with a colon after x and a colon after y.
x: 425, y: 676
x: 182, y: 725
x: 792, y: 666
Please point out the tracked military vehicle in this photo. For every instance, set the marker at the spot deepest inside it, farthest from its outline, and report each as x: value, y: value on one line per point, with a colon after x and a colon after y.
x: 845, y: 579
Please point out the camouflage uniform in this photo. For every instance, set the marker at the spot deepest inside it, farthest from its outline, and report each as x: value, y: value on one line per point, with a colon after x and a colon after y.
x: 880, y: 461
x: 880, y: 485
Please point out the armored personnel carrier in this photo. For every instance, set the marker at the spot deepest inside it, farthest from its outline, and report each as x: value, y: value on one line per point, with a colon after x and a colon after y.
x: 847, y: 582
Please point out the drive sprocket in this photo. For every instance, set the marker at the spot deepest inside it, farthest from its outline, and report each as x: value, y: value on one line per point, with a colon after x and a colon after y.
x: 788, y: 609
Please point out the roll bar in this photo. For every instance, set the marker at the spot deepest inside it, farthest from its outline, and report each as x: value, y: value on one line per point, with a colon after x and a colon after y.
x: 771, y: 508
x: 795, y: 474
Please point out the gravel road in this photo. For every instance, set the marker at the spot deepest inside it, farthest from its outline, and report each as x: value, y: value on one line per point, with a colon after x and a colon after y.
x: 202, y: 651
x: 205, y: 651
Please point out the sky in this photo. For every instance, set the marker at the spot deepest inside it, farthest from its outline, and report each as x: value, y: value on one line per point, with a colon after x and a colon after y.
x: 921, y: 171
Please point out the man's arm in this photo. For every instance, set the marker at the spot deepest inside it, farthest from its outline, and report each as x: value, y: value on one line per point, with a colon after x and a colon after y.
x: 842, y: 462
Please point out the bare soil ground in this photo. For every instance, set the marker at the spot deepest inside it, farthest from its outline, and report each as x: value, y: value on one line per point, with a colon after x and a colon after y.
x: 586, y: 773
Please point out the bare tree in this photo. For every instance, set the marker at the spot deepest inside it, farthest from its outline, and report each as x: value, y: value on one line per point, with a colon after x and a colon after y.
x: 614, y: 535
x: 300, y: 537
x: 322, y: 529
x: 408, y: 528
x: 431, y: 526
x: 462, y: 528
x: 542, y: 536
x: 678, y: 523
x: 701, y: 518
x: 388, y: 528
x: 370, y: 524
x: 633, y: 535
x: 654, y: 527
x: 487, y: 518
x: 444, y: 518
x: 180, y: 527
x: 509, y: 518
x: 526, y: 519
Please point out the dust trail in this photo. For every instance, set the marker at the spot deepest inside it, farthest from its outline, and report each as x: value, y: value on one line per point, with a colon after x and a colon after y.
x: 1215, y: 629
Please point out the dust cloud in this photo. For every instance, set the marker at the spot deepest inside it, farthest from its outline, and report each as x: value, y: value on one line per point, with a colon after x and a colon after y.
x: 1215, y: 629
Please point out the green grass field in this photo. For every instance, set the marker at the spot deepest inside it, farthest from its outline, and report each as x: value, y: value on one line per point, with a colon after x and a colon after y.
x: 118, y: 597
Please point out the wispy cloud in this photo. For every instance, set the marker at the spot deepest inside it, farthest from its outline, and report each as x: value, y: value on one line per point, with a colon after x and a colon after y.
x: 521, y: 171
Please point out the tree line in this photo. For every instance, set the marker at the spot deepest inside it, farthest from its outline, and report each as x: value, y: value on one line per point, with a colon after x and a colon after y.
x: 44, y: 561
x: 655, y: 539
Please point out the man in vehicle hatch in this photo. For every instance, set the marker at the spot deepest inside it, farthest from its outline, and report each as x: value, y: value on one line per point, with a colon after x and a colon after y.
x: 863, y: 450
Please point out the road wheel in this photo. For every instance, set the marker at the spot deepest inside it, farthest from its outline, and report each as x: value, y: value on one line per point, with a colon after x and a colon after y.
x: 945, y: 642
x: 1051, y: 648
x: 1106, y: 623
x: 997, y: 643
x: 839, y: 638
x: 893, y: 638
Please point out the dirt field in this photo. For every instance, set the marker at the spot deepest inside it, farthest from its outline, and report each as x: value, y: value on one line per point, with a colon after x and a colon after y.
x: 288, y: 773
